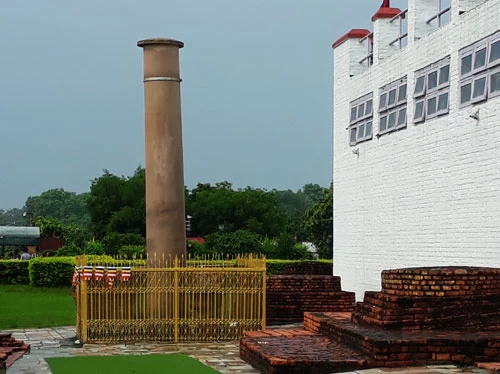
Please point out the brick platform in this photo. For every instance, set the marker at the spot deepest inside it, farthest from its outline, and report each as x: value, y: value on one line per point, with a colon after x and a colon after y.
x: 10, y: 350
x: 298, y: 351
x: 444, y: 315
x: 459, y: 298
x: 289, y: 296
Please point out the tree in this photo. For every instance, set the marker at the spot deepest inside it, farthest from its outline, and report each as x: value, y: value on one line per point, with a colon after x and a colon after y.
x: 313, y: 192
x: 319, y: 224
x: 64, y: 206
x: 295, y: 204
x: 220, y: 208
x: 13, y: 217
x: 118, y: 204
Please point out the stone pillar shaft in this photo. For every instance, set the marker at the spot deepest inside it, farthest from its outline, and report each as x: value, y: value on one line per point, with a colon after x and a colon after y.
x: 165, y: 210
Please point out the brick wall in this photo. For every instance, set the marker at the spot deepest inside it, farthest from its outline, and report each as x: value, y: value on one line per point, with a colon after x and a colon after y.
x: 426, y: 195
x: 308, y: 268
x: 434, y: 298
x: 289, y: 296
x: 441, y: 281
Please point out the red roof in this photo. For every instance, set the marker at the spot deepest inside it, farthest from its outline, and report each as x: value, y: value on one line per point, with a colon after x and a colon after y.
x: 198, y: 239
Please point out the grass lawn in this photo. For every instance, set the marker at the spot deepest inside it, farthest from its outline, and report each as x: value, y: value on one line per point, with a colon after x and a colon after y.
x: 146, y: 364
x: 26, y: 307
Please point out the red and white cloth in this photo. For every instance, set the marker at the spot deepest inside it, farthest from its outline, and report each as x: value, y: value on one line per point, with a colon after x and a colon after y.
x: 125, y: 276
x: 76, y: 276
x: 87, y: 272
x: 111, y: 276
x: 99, y: 273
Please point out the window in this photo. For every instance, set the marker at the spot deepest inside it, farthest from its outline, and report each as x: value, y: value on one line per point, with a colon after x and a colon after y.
x: 432, y: 91
x: 479, y: 73
x: 494, y: 83
x: 443, y: 15
x: 392, y: 106
x: 361, y: 120
x: 368, y: 59
x: 402, y: 39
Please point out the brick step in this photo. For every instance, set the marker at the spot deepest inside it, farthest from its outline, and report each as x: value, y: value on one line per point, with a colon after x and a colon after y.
x: 472, y: 312
x: 14, y: 357
x: 13, y: 343
x: 281, y: 351
x: 405, y: 348
x: 11, y: 350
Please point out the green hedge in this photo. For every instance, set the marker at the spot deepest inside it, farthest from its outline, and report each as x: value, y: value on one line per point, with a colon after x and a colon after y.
x: 51, y: 271
x: 14, y: 272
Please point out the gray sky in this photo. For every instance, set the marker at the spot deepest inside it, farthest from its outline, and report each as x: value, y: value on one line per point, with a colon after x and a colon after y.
x: 256, y: 91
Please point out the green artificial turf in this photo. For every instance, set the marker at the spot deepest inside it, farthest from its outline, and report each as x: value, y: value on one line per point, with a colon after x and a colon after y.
x: 28, y: 307
x: 145, y: 364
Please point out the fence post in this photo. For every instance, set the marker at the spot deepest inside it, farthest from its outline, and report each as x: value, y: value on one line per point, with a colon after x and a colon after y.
x: 264, y: 306
x: 176, y: 299
x: 83, y: 310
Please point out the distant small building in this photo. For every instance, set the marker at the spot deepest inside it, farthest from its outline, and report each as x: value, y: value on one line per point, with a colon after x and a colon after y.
x: 20, y: 236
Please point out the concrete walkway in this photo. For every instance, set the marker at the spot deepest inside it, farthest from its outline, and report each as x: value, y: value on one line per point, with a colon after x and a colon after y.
x: 223, y: 356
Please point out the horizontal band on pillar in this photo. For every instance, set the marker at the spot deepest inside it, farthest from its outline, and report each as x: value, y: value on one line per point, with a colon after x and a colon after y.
x: 168, y: 79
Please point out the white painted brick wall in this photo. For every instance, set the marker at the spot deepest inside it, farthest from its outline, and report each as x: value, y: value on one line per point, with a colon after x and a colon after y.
x: 428, y: 194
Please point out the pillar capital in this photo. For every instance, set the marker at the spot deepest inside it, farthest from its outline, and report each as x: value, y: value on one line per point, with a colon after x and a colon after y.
x: 159, y: 41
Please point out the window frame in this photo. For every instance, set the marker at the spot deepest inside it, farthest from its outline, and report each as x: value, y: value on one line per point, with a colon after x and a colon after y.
x: 490, y: 74
x: 422, y: 117
x: 388, y: 112
x: 494, y: 39
x: 484, y: 95
x: 432, y: 70
x: 428, y: 98
x: 464, y: 53
x: 423, y: 92
x: 404, y: 124
x: 447, y: 109
x: 447, y: 83
x: 359, y: 121
x: 465, y: 82
x: 478, y: 47
x: 435, y: 92
x: 486, y: 71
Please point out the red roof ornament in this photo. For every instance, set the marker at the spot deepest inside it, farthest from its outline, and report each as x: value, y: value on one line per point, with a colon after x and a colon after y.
x: 386, y: 4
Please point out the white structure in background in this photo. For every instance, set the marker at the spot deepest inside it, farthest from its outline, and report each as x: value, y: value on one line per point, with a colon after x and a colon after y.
x: 311, y: 248
x: 417, y: 141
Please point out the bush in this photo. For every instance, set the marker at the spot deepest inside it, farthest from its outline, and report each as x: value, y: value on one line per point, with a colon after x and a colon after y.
x: 51, y: 272
x: 74, y: 234
x: 93, y: 248
x: 114, y: 241
x: 69, y: 250
x: 237, y: 242
x: 14, y: 272
x: 195, y: 248
x: 132, y: 251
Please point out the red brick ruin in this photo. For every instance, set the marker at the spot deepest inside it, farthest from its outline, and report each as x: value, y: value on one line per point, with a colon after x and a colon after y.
x: 10, y: 350
x: 439, y: 315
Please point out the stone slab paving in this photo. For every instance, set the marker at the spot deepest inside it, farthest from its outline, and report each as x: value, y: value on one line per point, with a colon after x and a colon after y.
x: 222, y: 356
x: 54, y: 342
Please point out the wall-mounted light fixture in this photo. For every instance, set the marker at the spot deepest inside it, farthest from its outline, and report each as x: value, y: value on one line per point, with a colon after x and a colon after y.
x: 475, y: 115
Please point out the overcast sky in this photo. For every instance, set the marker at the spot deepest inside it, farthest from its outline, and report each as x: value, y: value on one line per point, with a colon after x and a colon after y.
x: 256, y: 91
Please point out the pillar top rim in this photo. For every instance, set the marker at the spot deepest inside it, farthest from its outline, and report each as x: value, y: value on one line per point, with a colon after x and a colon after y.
x: 159, y: 41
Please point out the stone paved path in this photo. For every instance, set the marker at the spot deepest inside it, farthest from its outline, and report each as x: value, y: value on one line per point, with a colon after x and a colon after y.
x: 223, y: 356
x: 52, y: 342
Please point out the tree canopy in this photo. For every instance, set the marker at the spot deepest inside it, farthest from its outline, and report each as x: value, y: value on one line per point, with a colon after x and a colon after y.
x: 115, y: 208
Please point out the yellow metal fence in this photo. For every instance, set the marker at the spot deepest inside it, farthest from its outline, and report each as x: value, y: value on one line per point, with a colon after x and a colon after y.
x: 195, y: 301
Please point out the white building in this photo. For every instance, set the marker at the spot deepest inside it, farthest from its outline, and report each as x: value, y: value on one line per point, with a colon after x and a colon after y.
x: 417, y: 141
